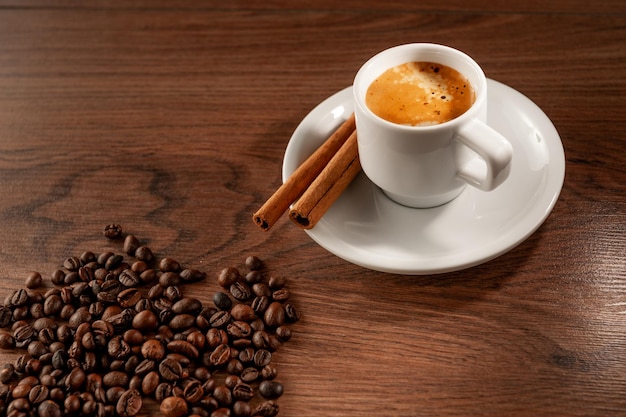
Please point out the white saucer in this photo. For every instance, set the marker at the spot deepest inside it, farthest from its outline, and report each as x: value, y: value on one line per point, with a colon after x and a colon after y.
x: 368, y: 229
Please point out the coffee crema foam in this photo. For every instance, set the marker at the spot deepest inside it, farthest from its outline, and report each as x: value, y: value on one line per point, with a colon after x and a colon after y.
x: 419, y: 94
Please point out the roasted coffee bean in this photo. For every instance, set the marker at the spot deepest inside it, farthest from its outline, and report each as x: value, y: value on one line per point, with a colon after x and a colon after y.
x: 254, y: 263
x: 192, y: 275
x: 243, y: 312
x: 239, y: 329
x: 144, y: 253
x: 135, y: 383
x: 231, y: 380
x: 261, y: 289
x: 249, y: 374
x: 215, y: 337
x: 81, y: 315
x: 283, y: 333
x: 75, y: 379
x: 129, y: 404
x: 21, y: 390
x: 96, y: 309
x: 113, y: 262
x: 33, y: 280
x: 118, y: 348
x: 145, y: 320
x: 220, y: 355
x: 169, y: 265
x: 240, y: 291
x: 131, y: 243
x: 18, y: 407
x: 183, y: 347
x: 90, y: 362
x: 113, y: 231
x: 182, y: 321
x: 276, y: 283
x: 267, y: 409
x: 274, y: 315
x: 241, y: 409
x: 220, y: 319
x: 228, y: 276
x: 223, y: 395
x: 165, y: 315
x: 153, y: 349
x: 271, y: 389
x: 168, y: 279
x: 33, y: 366
x: 187, y: 305
x: 23, y: 335
x: 64, y: 334
x: 71, y: 278
x: 262, y: 357
x: 133, y: 337
x: 58, y: 277
x: 67, y: 295
x: 193, y: 391
x: 5, y: 316
x: 174, y: 407
x: 139, y: 266
x: 59, y: 359
x: 19, y: 298
x: 221, y: 412
x: 222, y: 301
x: 38, y: 394
x: 112, y: 286
x: 234, y: 367
x: 150, y: 382
x: 291, y: 313
x: 171, y: 370
x: 36, y: 349
x: 281, y: 295
x: 72, y: 263
x: 6, y: 340
x: 49, y: 408
x: 269, y: 372
x: 162, y: 391
x: 87, y: 257
x: 197, y: 339
x: 246, y: 355
x: 143, y: 304
x: 243, y: 391
x: 102, y: 327
x: 260, y: 304
x: 129, y: 297
x: 253, y: 277
x: 129, y: 278
x: 155, y: 292
x: 146, y: 366
x: 274, y: 343
x: 94, y: 381
x: 115, y: 379
x: 86, y: 274
x: 107, y: 297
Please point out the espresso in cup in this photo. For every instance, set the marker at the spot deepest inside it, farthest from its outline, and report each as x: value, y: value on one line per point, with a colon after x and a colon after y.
x: 419, y: 94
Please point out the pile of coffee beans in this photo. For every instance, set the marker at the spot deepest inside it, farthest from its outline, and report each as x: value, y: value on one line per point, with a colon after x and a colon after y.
x: 116, y: 329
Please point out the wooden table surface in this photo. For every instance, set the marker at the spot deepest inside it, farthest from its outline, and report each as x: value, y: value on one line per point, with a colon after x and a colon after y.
x: 172, y: 118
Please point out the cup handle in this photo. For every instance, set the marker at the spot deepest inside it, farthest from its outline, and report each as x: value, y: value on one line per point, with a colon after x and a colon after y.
x: 490, y: 162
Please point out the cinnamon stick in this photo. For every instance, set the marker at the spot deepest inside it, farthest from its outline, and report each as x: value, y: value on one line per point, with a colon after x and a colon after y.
x: 328, y: 186
x: 302, y: 177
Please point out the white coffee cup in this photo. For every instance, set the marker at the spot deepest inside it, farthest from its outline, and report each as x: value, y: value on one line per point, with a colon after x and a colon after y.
x: 427, y: 166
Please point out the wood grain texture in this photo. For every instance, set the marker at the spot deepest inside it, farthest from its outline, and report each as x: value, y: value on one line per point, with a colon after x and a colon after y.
x: 172, y: 119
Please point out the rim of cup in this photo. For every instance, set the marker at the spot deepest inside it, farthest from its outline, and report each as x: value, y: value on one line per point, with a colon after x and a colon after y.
x: 421, y: 52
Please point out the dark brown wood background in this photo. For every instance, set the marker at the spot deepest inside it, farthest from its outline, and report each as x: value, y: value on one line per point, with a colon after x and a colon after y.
x: 171, y: 118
